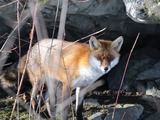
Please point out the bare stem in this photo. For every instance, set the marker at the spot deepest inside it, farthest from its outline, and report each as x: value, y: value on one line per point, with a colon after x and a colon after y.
x: 63, y: 19
x: 25, y: 66
x: 124, y: 73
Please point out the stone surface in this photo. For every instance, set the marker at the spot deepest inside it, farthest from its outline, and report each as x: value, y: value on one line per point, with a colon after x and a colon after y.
x: 96, y: 116
x: 90, y: 16
x: 155, y: 116
x: 87, y: 17
x: 152, y: 73
x: 152, y: 90
x: 153, y: 102
x: 141, y: 60
x: 143, y: 11
x: 143, y: 72
x: 91, y: 102
x: 93, y: 8
x: 126, y: 112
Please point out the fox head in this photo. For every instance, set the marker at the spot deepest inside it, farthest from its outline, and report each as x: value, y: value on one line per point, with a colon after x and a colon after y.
x: 105, y: 54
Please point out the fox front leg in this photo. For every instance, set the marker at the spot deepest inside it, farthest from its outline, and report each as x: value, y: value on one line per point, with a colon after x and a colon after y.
x: 50, y: 103
x: 56, y: 96
x: 57, y: 101
x: 79, y: 104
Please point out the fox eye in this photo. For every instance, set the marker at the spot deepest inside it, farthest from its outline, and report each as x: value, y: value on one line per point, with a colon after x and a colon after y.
x: 110, y: 58
x: 99, y: 57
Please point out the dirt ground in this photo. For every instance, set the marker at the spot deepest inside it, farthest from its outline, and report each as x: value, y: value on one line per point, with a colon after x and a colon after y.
x: 106, y: 99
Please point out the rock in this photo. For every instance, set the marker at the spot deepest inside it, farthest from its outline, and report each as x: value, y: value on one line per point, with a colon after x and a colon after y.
x: 141, y: 60
x: 152, y: 90
x: 93, y: 8
x: 151, y: 76
x: 157, y: 82
x: 91, y: 102
x: 143, y: 11
x: 142, y: 73
x: 96, y: 116
x: 153, y: 102
x: 126, y: 112
x: 97, y: 15
x: 155, y: 116
x: 94, y: 14
x: 152, y: 73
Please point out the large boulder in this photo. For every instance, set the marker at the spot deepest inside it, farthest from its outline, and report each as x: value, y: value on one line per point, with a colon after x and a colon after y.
x: 142, y: 72
x: 154, y: 116
x: 90, y: 16
x: 126, y: 112
x: 143, y: 11
x: 86, y: 17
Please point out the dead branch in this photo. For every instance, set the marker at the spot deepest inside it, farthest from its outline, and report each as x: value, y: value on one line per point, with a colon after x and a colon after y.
x: 124, y: 73
x: 40, y: 26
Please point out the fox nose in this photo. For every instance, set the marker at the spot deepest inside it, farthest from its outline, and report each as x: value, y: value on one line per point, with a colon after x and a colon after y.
x: 106, y: 68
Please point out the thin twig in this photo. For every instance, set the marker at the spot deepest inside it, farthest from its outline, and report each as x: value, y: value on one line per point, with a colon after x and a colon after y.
x: 32, y: 96
x: 39, y: 20
x: 80, y: 0
x: 7, y: 64
x: 61, y: 30
x: 124, y: 73
x: 86, y: 37
x: 123, y: 115
x: 10, y: 40
x: 19, y: 44
x: 55, y: 19
x: 8, y: 4
x: 25, y: 66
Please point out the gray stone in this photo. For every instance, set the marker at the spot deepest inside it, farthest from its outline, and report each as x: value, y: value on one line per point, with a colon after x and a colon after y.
x: 96, y: 116
x: 152, y: 90
x: 93, y: 8
x: 154, y: 102
x: 157, y: 82
x: 143, y: 73
x: 92, y: 102
x: 126, y: 112
x: 86, y: 17
x: 143, y: 11
x: 141, y: 60
x: 152, y: 73
x: 92, y: 15
x: 155, y: 116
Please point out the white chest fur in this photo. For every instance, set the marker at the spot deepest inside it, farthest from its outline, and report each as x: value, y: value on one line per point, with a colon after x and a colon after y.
x: 90, y: 74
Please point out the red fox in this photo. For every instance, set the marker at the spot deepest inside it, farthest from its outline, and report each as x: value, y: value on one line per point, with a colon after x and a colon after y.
x: 80, y: 64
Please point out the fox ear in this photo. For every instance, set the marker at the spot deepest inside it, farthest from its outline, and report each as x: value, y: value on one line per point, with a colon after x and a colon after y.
x: 117, y: 43
x: 94, y: 43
